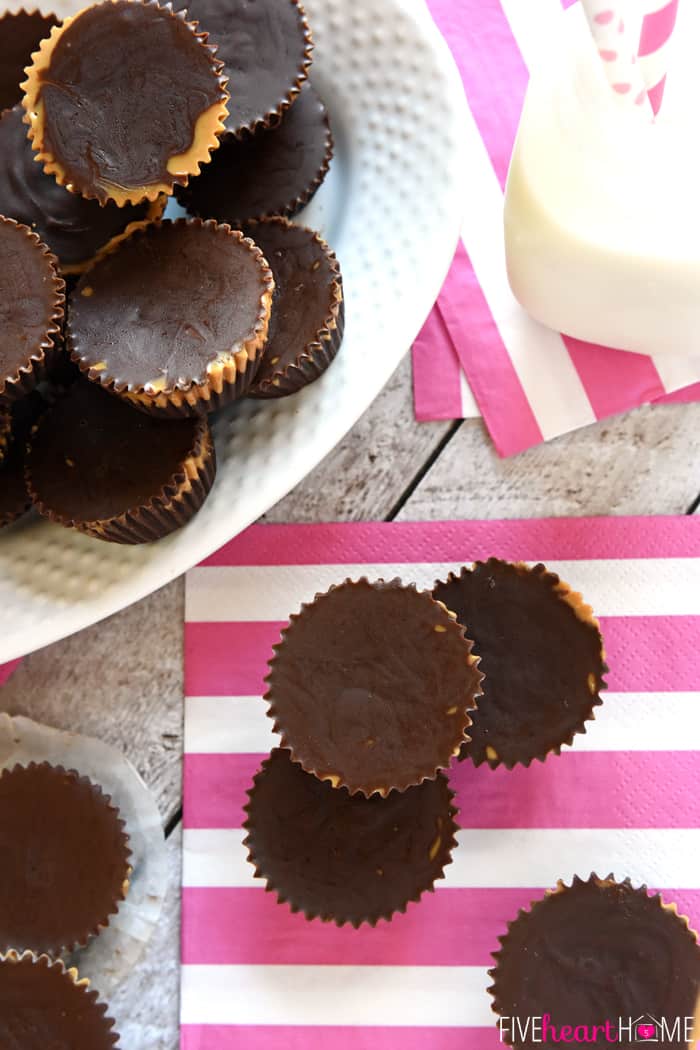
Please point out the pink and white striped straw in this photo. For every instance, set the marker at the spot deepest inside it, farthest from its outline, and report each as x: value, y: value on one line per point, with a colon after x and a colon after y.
x: 659, y: 19
x: 606, y: 19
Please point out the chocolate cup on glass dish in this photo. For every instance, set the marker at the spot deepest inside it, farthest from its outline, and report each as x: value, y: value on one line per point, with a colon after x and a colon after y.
x: 372, y: 686
x: 266, y: 50
x: 75, y: 229
x: 542, y: 656
x: 32, y: 295
x: 97, y: 465
x: 21, y: 32
x: 275, y: 171
x: 65, y: 859
x: 593, y: 952
x: 174, y: 319
x: 308, y: 309
x: 124, y: 100
x: 14, y: 498
x: 342, y: 857
x: 45, y: 1005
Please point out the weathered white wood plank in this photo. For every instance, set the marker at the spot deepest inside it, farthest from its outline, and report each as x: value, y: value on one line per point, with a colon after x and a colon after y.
x: 646, y: 462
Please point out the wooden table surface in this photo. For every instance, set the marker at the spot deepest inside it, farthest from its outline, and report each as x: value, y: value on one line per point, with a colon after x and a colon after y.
x: 107, y: 683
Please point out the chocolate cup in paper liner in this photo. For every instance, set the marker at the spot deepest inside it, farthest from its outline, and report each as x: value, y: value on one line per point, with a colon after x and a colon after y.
x: 98, y: 466
x: 275, y: 171
x: 33, y: 294
x: 107, y: 960
x: 65, y: 859
x: 372, y: 685
x: 75, y: 229
x: 266, y: 50
x: 542, y: 656
x: 21, y: 32
x: 596, y: 951
x: 308, y: 310
x: 46, y: 1005
x: 155, y: 320
x: 5, y: 430
x: 14, y: 498
x: 345, y: 858
x: 132, y: 84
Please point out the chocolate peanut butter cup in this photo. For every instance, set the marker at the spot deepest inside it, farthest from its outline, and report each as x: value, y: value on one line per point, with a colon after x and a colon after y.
x: 542, y: 657
x: 75, y: 229
x: 275, y: 171
x: 46, y: 1006
x: 343, y: 857
x: 21, y: 32
x: 308, y: 309
x: 5, y: 429
x: 175, y: 319
x: 372, y: 685
x: 22, y: 415
x: 32, y: 304
x: 595, y: 952
x: 124, y: 100
x: 265, y: 46
x: 65, y: 859
x: 97, y: 465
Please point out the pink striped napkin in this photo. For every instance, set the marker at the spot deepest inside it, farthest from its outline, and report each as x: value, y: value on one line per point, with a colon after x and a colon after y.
x: 256, y: 977
x: 7, y: 669
x: 530, y: 383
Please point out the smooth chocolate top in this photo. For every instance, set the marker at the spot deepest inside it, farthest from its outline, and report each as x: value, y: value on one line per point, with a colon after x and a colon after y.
x: 42, y: 1008
x: 20, y: 35
x: 272, y: 172
x: 125, y: 87
x: 370, y: 686
x: 64, y: 858
x: 28, y: 297
x: 263, y: 45
x: 598, y: 951
x: 304, y: 297
x: 74, y: 228
x: 93, y: 456
x: 342, y: 856
x: 166, y: 304
x: 543, y: 664
x: 14, y: 498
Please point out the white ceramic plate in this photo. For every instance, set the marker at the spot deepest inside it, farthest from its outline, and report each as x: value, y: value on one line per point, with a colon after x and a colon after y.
x: 391, y: 208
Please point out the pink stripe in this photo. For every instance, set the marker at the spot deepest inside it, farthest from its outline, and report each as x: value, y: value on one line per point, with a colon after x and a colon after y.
x: 228, y: 659
x: 614, y: 380
x: 234, y: 926
x: 278, y: 1037
x: 579, y: 789
x: 436, y: 372
x: 656, y: 94
x: 681, y: 397
x: 7, y: 669
x: 657, y: 28
x: 485, y: 359
x: 247, y: 926
x: 493, y: 72
x: 546, y: 539
x: 645, y: 654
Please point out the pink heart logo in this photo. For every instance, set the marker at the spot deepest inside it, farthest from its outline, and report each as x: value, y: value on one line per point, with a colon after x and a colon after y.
x: 646, y: 1031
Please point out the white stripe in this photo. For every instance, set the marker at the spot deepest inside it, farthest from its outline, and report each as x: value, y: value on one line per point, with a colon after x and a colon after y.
x: 501, y: 858
x: 632, y: 587
x: 533, y: 26
x: 470, y: 409
x: 655, y: 66
x: 677, y: 372
x: 435, y: 996
x: 540, y: 359
x: 229, y: 725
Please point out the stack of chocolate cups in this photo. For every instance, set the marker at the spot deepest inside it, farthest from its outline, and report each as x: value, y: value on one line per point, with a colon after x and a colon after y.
x: 65, y: 871
x: 375, y: 690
